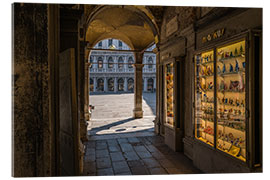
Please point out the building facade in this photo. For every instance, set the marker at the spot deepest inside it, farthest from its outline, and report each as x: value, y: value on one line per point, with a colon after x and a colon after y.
x: 113, y: 71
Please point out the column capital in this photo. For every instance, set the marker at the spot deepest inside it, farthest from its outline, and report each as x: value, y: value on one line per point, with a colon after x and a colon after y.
x: 137, y: 65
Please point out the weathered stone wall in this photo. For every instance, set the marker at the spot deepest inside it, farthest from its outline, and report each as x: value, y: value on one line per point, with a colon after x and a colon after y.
x: 193, y: 24
x: 31, y: 126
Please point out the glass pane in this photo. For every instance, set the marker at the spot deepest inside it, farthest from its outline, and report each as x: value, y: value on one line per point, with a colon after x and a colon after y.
x: 231, y: 105
x: 204, y: 97
x: 169, y: 93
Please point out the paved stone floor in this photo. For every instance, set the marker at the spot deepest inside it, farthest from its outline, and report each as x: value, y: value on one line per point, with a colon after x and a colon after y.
x: 121, y: 145
x: 134, y: 156
x: 112, y: 116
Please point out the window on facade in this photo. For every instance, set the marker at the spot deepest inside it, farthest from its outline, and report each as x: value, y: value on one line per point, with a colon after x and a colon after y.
x: 110, y: 63
x: 91, y: 61
x: 150, y: 63
x: 100, y: 63
x: 130, y: 62
x: 120, y: 63
x: 150, y: 84
x: 120, y: 44
x: 111, y: 84
x: 91, y: 85
x: 130, y: 84
x: 120, y: 84
x: 110, y: 42
x: 100, y: 85
x: 100, y: 44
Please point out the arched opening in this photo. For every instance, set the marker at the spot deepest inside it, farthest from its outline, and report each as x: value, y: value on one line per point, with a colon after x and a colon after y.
x: 100, y: 63
x: 100, y: 85
x: 110, y: 63
x: 91, y: 88
x: 120, y: 84
x: 130, y: 62
x: 120, y: 63
x: 150, y: 85
x: 150, y: 62
x: 130, y: 84
x: 111, y: 84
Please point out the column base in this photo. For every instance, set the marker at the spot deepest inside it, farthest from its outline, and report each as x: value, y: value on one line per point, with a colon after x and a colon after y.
x: 137, y: 113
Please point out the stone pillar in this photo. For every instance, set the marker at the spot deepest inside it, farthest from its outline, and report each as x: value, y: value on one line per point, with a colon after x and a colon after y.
x: 125, y: 84
x: 105, y: 84
x: 138, y: 112
x: 95, y: 85
x: 115, y: 85
x: 145, y: 85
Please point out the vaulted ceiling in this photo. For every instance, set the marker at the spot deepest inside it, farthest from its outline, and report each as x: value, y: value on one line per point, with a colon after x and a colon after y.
x: 134, y: 25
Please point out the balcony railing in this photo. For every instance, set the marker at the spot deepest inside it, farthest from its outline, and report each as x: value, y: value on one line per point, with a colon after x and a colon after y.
x: 122, y: 70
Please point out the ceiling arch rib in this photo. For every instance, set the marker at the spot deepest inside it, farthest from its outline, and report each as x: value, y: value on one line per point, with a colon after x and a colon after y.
x: 120, y: 23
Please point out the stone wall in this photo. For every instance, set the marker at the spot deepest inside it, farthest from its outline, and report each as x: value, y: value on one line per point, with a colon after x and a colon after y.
x: 31, y: 126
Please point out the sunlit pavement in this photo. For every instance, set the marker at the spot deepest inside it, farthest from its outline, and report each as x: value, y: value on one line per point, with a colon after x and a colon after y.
x: 121, y: 145
x: 112, y: 116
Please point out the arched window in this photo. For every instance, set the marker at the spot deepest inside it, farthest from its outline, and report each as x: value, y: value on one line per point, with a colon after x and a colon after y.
x: 91, y: 61
x: 100, y: 63
x: 150, y: 84
x: 130, y: 62
x: 150, y: 62
x: 120, y: 63
x: 110, y: 84
x: 120, y: 84
x: 100, y: 84
x: 91, y: 85
x: 130, y: 84
x: 110, y: 62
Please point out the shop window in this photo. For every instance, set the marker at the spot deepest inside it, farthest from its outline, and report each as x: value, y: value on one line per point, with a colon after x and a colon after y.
x: 169, y: 93
x: 220, y: 101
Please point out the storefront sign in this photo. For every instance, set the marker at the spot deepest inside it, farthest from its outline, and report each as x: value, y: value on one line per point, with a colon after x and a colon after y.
x: 217, y: 34
x: 171, y: 26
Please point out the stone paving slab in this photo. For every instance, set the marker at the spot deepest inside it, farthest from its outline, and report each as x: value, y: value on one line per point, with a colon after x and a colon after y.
x: 130, y: 158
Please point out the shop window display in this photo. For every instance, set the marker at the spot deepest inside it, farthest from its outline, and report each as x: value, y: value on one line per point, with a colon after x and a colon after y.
x: 169, y: 94
x: 220, y: 99
x: 204, y: 97
x: 231, y: 105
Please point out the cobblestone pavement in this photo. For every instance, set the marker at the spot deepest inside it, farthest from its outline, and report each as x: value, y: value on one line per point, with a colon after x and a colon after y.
x: 112, y: 116
x: 121, y: 145
x: 134, y: 156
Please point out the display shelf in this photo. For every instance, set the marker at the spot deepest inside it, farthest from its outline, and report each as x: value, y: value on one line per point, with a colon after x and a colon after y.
x: 240, y: 72
x: 169, y: 88
x: 230, y: 58
x: 205, y: 63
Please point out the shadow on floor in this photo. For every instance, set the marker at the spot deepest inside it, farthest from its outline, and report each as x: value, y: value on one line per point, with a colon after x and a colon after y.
x: 150, y: 99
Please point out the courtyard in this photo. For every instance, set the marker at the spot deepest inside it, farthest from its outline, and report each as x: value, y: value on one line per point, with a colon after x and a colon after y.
x: 121, y: 145
x: 112, y: 116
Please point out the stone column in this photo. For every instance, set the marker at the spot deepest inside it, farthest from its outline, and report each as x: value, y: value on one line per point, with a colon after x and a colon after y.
x: 105, y: 85
x: 95, y: 85
x: 125, y: 85
x: 145, y: 84
x: 138, y: 112
x: 115, y: 85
